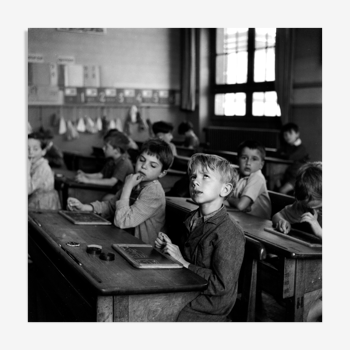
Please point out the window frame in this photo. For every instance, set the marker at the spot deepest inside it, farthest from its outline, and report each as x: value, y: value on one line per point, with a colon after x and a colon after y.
x: 249, y: 87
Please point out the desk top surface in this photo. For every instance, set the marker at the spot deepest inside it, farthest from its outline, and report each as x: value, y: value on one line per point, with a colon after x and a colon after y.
x: 107, y: 277
x: 68, y: 178
x: 254, y: 226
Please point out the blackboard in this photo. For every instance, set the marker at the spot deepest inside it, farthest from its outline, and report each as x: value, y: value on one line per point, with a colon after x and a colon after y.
x: 144, y: 256
x: 84, y: 218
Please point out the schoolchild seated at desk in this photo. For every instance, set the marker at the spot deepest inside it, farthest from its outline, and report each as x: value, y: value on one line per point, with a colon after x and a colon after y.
x: 164, y: 131
x: 306, y: 211
x: 191, y: 139
x: 215, y: 243
x: 117, y: 167
x: 307, y: 207
x: 41, y: 192
x: 250, y: 194
x: 139, y: 206
x: 293, y: 149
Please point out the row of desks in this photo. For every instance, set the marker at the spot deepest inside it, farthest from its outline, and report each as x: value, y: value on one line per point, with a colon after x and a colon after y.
x: 66, y: 186
x: 116, y: 291
x: 85, y: 288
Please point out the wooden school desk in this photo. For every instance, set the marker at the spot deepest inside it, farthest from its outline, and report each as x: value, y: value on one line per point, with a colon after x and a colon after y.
x: 298, y: 277
x: 86, y: 193
x: 102, y: 290
x: 68, y: 187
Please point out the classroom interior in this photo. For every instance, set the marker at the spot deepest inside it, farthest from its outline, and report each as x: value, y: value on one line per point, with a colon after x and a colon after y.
x: 81, y: 75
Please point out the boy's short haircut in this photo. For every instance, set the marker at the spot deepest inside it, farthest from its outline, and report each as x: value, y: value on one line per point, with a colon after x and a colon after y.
x: 252, y: 145
x: 40, y: 137
x: 289, y: 127
x: 214, y: 162
x: 308, y: 184
x: 117, y: 139
x: 162, y: 127
x: 160, y: 149
x: 184, y: 127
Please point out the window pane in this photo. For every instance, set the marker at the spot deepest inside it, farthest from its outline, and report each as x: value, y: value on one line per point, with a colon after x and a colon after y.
x: 232, y: 58
x: 219, y: 104
x: 259, y: 66
x: 258, y: 104
x: 265, y: 104
x: 235, y: 39
x: 264, y: 56
x: 272, y: 108
x: 230, y: 104
x: 240, y: 103
x: 220, y: 69
x: 265, y: 37
x: 270, y: 64
x: 220, y: 34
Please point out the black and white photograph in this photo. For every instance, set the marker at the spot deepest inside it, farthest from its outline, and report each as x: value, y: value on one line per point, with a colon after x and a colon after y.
x: 173, y: 175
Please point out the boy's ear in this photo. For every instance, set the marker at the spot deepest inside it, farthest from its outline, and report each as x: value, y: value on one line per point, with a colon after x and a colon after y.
x: 226, y: 189
x: 162, y: 174
x: 262, y: 164
x: 43, y: 152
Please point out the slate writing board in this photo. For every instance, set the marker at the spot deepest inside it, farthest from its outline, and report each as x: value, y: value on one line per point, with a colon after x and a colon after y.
x: 84, y: 218
x: 144, y: 256
x: 299, y: 236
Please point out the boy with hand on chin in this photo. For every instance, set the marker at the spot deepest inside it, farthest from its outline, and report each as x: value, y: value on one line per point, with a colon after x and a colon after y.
x: 307, y: 209
x: 306, y: 213
x: 139, y: 206
x: 214, y: 247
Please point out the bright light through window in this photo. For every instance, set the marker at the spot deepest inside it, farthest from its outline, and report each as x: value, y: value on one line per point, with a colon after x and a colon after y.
x: 232, y: 58
x: 265, y: 104
x: 264, y: 55
x: 230, y: 104
x: 245, y: 63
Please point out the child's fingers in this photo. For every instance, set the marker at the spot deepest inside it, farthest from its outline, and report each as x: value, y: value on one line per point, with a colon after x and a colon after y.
x: 139, y: 177
x: 283, y: 226
x: 166, y: 238
x: 158, y: 242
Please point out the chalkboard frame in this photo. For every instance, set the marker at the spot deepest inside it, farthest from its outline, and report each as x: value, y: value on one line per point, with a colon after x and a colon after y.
x: 167, y: 262
x: 73, y: 216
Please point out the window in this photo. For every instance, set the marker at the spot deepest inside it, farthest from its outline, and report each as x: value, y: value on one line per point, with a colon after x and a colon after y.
x: 245, y: 73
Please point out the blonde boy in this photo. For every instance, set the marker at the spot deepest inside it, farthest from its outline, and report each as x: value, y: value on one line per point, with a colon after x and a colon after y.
x: 215, y: 243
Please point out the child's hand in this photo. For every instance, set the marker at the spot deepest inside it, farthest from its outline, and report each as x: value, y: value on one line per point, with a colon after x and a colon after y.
x: 133, y: 180
x: 312, y: 220
x: 248, y: 209
x: 161, y: 240
x: 74, y: 204
x: 81, y: 178
x: 174, y: 251
x: 80, y: 172
x: 283, y: 226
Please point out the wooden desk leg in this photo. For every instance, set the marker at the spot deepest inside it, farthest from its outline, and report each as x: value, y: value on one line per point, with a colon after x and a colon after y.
x: 104, y: 309
x: 249, y: 289
x: 308, y: 288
